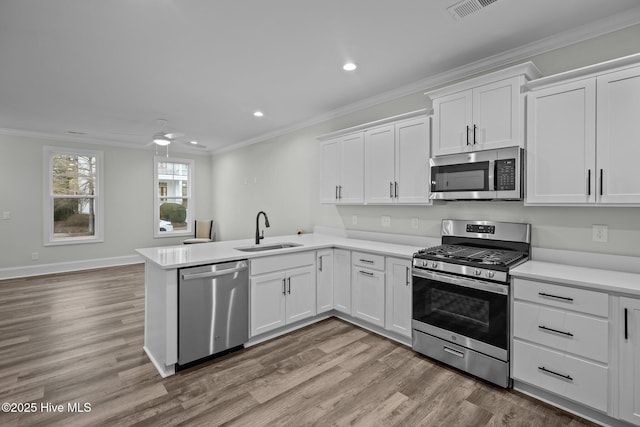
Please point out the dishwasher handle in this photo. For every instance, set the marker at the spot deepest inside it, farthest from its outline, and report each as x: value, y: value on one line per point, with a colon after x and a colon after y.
x: 190, y: 276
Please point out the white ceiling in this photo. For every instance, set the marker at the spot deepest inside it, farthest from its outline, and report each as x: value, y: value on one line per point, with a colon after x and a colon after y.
x: 110, y: 69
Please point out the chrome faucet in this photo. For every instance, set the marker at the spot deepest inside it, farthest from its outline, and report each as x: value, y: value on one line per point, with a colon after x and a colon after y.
x: 266, y: 224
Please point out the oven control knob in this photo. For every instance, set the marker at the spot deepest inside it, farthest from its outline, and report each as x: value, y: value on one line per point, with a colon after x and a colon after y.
x: 425, y: 263
x: 478, y: 272
x: 490, y: 274
x: 434, y: 265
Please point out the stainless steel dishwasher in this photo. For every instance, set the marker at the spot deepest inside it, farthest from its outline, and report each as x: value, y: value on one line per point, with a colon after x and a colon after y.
x: 213, y: 310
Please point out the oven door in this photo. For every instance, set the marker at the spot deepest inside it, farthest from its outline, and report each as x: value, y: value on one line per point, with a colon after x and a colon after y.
x: 471, y: 313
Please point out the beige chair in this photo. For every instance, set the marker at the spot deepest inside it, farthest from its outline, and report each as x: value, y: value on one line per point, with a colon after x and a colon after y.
x: 203, y: 233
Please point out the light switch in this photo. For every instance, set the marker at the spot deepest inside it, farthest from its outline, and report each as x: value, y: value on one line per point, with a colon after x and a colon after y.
x: 415, y: 223
x: 6, y: 215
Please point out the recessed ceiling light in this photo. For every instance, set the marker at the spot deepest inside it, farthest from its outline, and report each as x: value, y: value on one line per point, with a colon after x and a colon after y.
x: 349, y: 66
x: 194, y: 142
x: 258, y: 113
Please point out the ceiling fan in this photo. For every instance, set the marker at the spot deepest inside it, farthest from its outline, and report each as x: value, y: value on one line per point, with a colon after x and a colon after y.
x: 164, y: 137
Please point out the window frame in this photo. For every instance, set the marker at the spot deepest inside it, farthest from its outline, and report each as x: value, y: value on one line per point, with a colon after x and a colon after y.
x: 48, y: 197
x: 190, y: 198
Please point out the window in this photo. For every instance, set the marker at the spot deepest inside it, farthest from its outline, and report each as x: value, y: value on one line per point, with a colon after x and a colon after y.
x: 73, y: 196
x: 173, y: 189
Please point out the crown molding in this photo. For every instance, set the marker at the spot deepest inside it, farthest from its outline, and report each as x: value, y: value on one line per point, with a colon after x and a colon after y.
x: 509, y: 57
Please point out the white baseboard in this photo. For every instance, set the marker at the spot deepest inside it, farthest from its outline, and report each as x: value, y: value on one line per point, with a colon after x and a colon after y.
x: 164, y: 371
x: 64, y: 267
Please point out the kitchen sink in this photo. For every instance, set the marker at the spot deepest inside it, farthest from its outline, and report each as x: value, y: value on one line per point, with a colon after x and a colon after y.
x: 259, y: 248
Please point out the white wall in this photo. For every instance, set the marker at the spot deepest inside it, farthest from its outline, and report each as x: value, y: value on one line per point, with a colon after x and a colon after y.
x: 128, y: 213
x: 287, y: 179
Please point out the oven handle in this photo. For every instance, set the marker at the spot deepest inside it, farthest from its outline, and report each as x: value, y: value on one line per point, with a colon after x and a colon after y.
x: 461, y: 281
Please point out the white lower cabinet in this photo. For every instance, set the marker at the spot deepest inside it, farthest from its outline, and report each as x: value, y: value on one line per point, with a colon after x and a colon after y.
x: 324, y: 281
x: 629, y: 379
x: 283, y: 290
x: 398, y: 300
x: 342, y: 280
x: 561, y: 341
x: 367, y: 288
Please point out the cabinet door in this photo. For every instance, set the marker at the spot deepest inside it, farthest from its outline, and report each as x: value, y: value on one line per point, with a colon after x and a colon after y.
x: 452, y: 121
x: 352, y: 169
x: 618, y: 140
x: 412, y: 161
x: 497, y: 115
x: 379, y: 165
x: 630, y: 360
x: 398, y: 304
x: 301, y: 293
x: 329, y: 170
x: 267, y: 302
x: 324, y: 282
x: 561, y: 144
x: 367, y: 295
x: 342, y: 280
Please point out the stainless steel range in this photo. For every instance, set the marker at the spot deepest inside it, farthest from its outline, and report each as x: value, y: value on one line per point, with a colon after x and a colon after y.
x: 461, y: 296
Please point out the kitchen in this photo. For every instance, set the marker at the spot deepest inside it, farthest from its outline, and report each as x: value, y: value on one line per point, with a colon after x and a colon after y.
x: 265, y: 176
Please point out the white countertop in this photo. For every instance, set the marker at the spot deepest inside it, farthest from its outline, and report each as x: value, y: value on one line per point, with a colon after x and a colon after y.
x: 593, y: 278
x: 178, y: 256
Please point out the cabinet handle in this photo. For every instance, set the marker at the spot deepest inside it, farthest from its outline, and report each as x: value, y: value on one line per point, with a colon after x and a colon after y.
x: 474, y: 134
x: 320, y: 266
x: 467, y: 134
x: 336, y: 192
x: 284, y: 287
x: 368, y: 261
x: 391, y: 189
x: 566, y: 377
x: 396, y: 189
x: 289, y: 280
x: 366, y: 273
x: 544, y: 328
x: 454, y: 352
x: 588, y: 182
x: 601, y: 173
x: 406, y: 276
x: 626, y: 324
x: 542, y: 294
x: 339, y: 191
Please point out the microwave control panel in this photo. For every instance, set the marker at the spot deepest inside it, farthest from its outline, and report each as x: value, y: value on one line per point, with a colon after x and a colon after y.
x: 505, y: 174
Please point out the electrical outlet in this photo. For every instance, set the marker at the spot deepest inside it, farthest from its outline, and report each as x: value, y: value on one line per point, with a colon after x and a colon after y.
x: 6, y: 215
x: 354, y: 219
x: 415, y: 223
x: 34, y: 256
x: 385, y: 221
x: 600, y: 233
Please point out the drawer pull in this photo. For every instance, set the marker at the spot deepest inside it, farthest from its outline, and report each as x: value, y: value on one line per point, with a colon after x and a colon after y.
x: 566, y: 377
x: 368, y: 261
x: 542, y: 294
x: 626, y: 324
x: 454, y: 352
x: 366, y: 273
x: 544, y: 328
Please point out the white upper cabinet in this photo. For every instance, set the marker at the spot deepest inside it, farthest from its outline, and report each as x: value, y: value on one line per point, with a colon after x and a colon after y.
x: 342, y: 169
x: 582, y: 141
x: 481, y: 113
x: 382, y: 162
x: 618, y: 111
x: 561, y: 144
x: 396, y: 163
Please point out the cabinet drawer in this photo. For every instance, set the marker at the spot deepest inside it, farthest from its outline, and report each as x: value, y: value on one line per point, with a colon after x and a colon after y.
x: 564, y: 375
x: 582, y: 300
x: 281, y: 262
x: 363, y: 259
x: 563, y: 330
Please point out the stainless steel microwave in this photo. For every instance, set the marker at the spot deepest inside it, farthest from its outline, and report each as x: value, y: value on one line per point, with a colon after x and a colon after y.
x: 480, y: 175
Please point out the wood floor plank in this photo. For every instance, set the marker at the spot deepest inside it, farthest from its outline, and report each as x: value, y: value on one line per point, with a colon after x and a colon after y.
x: 77, y: 337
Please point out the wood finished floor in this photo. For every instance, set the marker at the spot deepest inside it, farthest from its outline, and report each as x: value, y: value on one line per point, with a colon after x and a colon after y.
x: 78, y: 337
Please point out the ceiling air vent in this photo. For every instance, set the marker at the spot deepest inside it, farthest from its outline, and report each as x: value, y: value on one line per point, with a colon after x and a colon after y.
x: 467, y: 7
